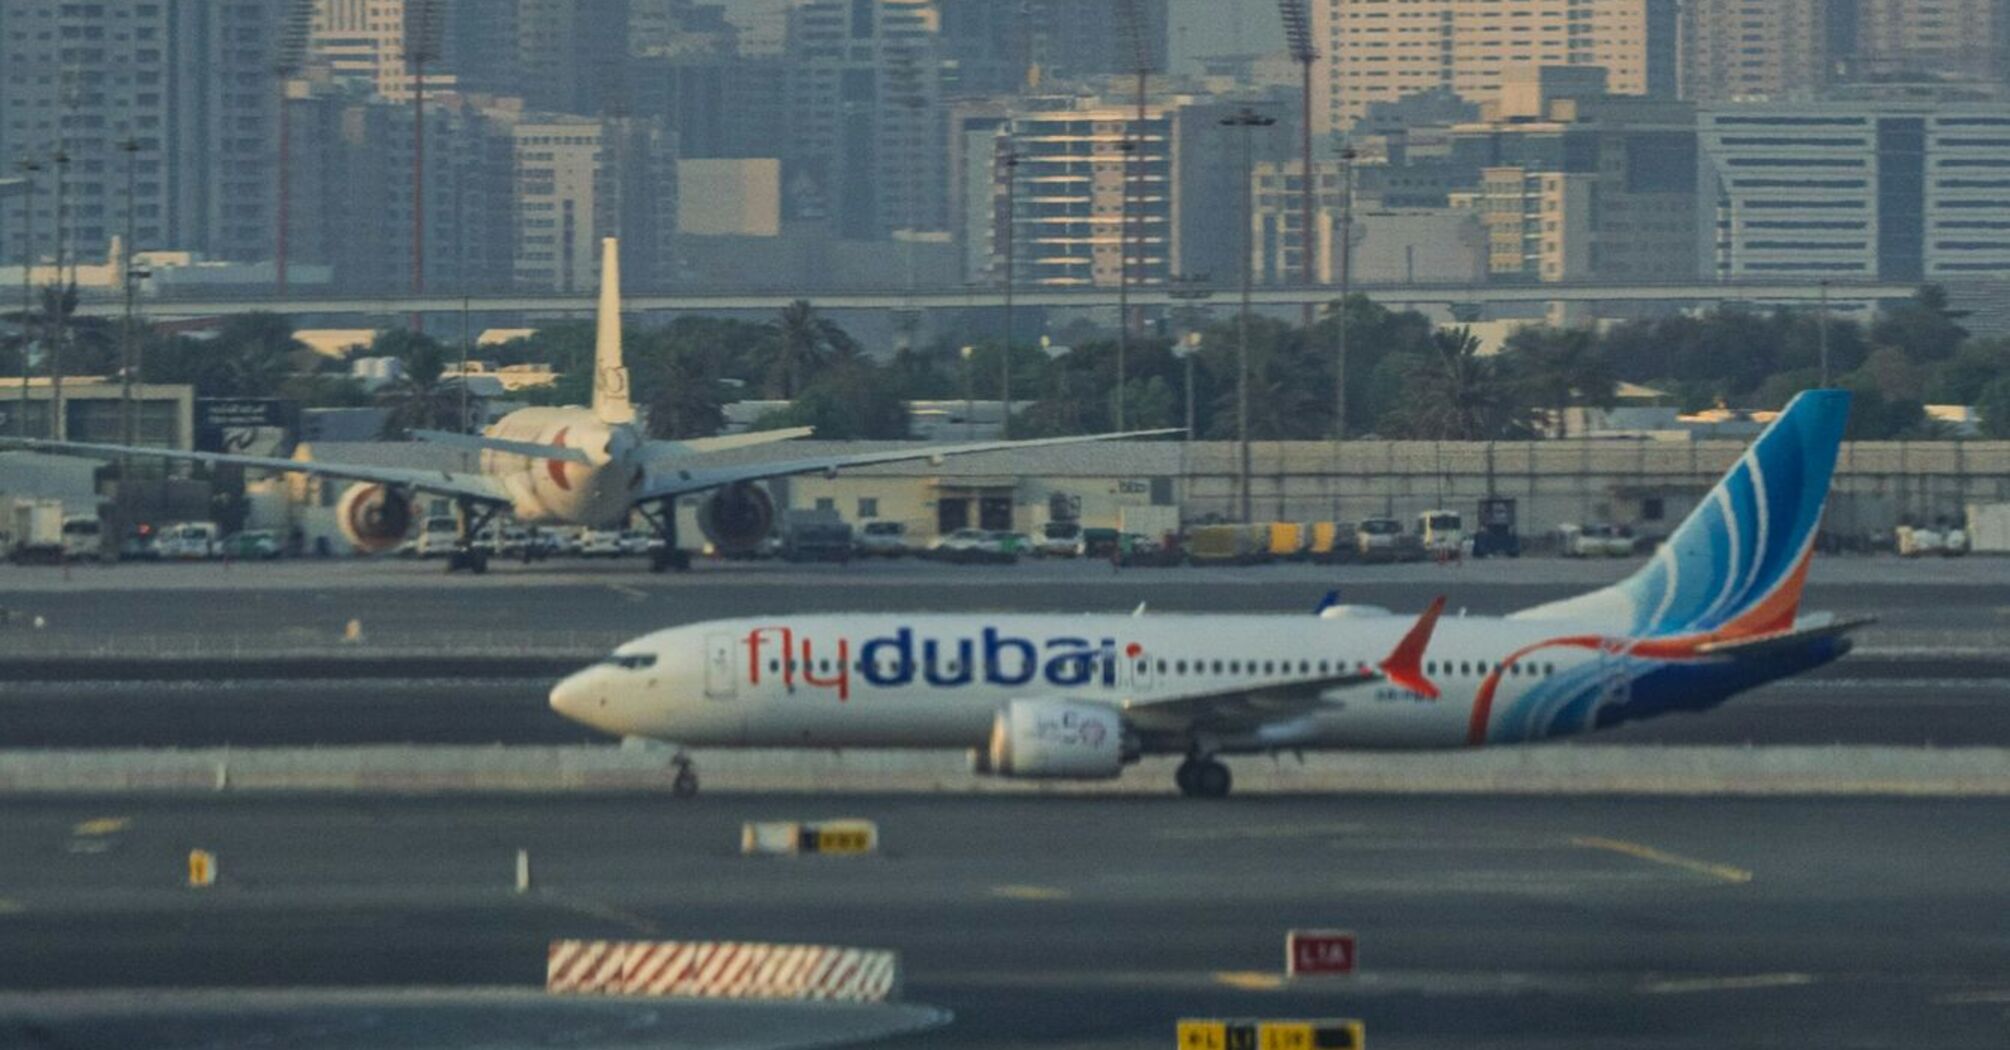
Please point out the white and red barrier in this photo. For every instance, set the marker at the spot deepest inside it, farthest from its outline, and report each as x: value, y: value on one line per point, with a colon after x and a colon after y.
x: 721, y: 970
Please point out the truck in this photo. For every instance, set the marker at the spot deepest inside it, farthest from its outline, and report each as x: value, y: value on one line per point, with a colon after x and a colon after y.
x: 1496, y: 534
x: 1226, y: 544
x: 1989, y: 528
x: 35, y: 532
x: 1153, y: 522
x: 815, y: 535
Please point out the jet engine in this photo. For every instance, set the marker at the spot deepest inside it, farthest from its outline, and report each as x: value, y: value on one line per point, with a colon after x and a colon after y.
x: 1056, y: 738
x: 374, y: 517
x: 737, y: 517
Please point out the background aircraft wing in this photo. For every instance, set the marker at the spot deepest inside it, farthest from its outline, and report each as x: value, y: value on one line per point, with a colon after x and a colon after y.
x: 484, y: 443
x: 1242, y: 707
x: 444, y: 482
x: 676, y: 481
x: 656, y: 450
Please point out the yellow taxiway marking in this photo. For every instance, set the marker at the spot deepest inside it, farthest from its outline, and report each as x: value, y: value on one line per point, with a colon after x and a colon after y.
x: 1029, y: 893
x: 1249, y: 980
x: 1728, y: 984
x: 1723, y: 872
x: 102, y: 826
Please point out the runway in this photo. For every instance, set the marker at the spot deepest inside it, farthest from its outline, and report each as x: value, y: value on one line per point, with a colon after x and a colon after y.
x: 1087, y: 922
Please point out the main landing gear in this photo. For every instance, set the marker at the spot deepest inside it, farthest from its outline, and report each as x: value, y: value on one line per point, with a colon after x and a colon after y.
x: 1203, y: 776
x: 664, y: 517
x: 472, y: 520
x: 685, y: 784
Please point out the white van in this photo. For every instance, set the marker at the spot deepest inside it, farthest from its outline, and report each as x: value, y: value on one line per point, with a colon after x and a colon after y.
x: 83, y: 537
x: 438, y: 536
x: 190, y: 541
x: 1441, y: 531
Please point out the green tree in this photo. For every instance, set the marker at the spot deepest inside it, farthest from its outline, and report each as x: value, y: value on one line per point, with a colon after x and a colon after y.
x: 1922, y: 326
x: 250, y: 356
x: 1560, y: 369
x: 420, y: 399
x: 803, y: 343
x: 1993, y: 405
x: 1454, y: 393
x: 851, y: 402
x: 683, y: 397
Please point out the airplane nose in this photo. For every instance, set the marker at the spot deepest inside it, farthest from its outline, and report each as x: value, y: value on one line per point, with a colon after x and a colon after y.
x: 574, y: 696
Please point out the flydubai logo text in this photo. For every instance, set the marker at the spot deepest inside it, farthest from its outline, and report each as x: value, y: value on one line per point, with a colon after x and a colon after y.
x: 899, y: 658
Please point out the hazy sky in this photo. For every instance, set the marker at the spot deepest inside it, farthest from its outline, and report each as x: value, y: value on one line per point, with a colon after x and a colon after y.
x: 1212, y: 27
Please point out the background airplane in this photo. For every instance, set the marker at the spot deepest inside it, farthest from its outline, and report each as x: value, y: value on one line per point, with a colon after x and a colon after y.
x: 587, y: 466
x: 1714, y: 612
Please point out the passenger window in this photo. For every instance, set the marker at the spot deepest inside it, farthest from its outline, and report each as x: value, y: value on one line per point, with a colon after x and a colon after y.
x: 1162, y: 667
x: 1179, y: 667
x: 1322, y: 667
x: 1217, y: 667
x: 1143, y: 666
x: 1235, y: 667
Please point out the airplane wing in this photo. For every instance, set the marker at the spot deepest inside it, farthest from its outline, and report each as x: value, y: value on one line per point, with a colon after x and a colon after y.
x: 656, y: 450
x: 476, y: 487
x: 1246, y: 707
x: 677, y: 481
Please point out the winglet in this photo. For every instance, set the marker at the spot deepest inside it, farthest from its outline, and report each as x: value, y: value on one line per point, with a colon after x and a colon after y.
x: 1405, y: 664
x: 1332, y: 599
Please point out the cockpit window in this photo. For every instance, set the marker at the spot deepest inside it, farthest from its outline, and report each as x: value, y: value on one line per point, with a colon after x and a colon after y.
x: 632, y: 661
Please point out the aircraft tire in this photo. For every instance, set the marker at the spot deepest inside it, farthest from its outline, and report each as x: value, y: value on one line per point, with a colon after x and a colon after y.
x: 1211, y: 779
x: 478, y: 562
x: 1183, y: 777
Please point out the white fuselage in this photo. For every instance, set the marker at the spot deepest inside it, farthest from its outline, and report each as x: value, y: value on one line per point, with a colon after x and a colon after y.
x: 557, y: 492
x: 936, y: 681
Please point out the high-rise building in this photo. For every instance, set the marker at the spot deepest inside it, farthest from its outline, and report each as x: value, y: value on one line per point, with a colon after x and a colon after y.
x: 1381, y: 50
x: 1890, y: 190
x: 1759, y: 49
x: 1959, y: 38
x: 579, y: 179
x: 352, y: 195
x: 867, y: 144
x: 187, y: 82
x: 373, y: 43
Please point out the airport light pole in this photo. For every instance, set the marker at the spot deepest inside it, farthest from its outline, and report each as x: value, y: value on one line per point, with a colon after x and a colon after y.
x: 1248, y: 120
x: 29, y: 169
x: 969, y: 400
x: 1347, y: 157
x: 128, y: 422
x: 1011, y: 163
x: 59, y: 323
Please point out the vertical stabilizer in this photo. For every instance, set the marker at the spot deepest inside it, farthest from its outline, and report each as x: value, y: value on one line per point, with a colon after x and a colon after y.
x: 1735, y: 567
x: 610, y: 376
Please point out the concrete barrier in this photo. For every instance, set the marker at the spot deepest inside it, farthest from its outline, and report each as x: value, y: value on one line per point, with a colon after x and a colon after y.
x: 721, y: 970
x: 1551, y: 769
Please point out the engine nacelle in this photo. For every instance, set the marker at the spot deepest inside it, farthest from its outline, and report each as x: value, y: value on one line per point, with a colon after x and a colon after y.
x: 1055, y: 738
x: 737, y: 517
x: 375, y: 518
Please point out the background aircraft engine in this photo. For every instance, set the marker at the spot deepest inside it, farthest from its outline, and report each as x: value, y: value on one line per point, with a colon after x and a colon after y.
x: 737, y: 517
x: 1055, y: 738
x: 373, y: 517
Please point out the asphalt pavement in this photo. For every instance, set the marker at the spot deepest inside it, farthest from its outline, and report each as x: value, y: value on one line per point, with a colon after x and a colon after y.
x: 1557, y: 923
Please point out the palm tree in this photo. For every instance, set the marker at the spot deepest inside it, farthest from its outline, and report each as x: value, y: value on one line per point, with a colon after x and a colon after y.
x: 681, y: 394
x: 1456, y: 394
x: 420, y: 399
x: 802, y: 343
x: 1561, y: 368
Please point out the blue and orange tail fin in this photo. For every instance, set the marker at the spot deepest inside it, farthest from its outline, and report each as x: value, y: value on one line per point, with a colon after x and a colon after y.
x: 1736, y: 565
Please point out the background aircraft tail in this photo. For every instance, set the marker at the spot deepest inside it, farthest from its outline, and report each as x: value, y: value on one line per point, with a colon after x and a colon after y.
x: 1735, y: 567
x: 610, y: 376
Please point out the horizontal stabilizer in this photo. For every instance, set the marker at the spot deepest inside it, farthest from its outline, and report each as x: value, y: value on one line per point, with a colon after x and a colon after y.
x: 480, y: 443
x: 1757, y: 645
x: 724, y: 442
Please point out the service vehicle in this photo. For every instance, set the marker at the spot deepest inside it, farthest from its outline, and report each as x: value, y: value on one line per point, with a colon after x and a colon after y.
x: 1383, y: 540
x: 600, y: 543
x: 439, y: 536
x: 191, y: 541
x: 35, y: 532
x: 1496, y: 534
x: 1442, y: 532
x: 882, y: 539
x: 1597, y: 540
x: 83, y: 537
x: 813, y: 535
x: 251, y: 545
x: 1059, y: 539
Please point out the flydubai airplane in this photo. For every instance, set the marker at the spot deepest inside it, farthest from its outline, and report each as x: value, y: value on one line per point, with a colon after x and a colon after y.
x: 1714, y: 612
x: 570, y: 466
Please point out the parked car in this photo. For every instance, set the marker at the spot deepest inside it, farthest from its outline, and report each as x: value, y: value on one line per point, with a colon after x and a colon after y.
x: 252, y: 545
x: 1098, y: 543
x: 814, y: 536
x: 1383, y: 540
x: 600, y: 543
x: 973, y: 545
x: 638, y: 541
x: 884, y: 539
x: 1059, y: 539
x: 1597, y: 540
